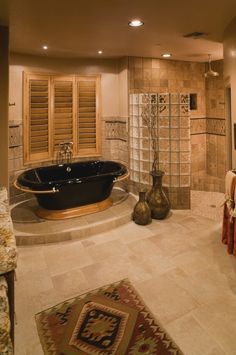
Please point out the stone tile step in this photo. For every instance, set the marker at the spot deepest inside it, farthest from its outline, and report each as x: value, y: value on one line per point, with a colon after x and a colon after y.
x: 29, y: 229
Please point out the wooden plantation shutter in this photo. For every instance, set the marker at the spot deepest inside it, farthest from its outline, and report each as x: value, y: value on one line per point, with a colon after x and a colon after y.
x: 64, y: 108
x: 88, y: 91
x: 37, y: 141
x: 60, y: 109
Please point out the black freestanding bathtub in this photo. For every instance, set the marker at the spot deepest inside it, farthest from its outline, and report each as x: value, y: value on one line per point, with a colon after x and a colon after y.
x: 69, y: 186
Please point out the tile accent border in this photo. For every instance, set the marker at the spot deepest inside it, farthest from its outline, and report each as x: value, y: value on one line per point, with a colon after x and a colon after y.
x: 116, y: 128
x: 208, y: 125
x: 216, y: 126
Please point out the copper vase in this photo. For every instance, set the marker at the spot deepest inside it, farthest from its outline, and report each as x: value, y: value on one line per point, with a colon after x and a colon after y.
x: 142, y: 213
x: 156, y: 198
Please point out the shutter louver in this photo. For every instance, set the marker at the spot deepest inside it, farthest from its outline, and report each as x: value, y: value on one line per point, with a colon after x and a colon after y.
x: 59, y: 109
x: 63, y: 113
x: 87, y: 115
x: 38, y: 116
x: 37, y: 143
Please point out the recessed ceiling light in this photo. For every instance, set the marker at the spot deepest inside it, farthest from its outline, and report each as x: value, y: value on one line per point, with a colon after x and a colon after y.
x: 136, y: 23
x: 99, y: 52
x: 45, y: 47
x: 166, y: 55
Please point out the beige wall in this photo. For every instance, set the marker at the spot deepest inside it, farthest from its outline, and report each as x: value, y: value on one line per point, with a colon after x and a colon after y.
x: 108, y: 69
x: 229, y: 43
x: 4, y: 80
x: 115, y: 129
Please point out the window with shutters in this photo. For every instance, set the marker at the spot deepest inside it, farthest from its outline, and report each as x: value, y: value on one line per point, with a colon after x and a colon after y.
x: 60, y: 109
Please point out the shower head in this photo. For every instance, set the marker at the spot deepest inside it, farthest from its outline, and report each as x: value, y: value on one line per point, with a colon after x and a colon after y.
x: 210, y: 73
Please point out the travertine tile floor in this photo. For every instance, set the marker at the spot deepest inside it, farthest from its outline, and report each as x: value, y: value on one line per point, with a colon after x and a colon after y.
x: 179, y: 266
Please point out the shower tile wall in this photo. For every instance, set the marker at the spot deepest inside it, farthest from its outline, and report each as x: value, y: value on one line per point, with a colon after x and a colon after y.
x: 208, y: 139
x: 216, y: 129
x: 210, y: 133
x: 170, y: 117
x: 207, y: 120
x: 158, y: 75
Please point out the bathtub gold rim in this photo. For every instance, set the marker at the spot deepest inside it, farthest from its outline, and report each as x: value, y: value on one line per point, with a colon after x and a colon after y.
x: 27, y: 189
x: 74, y: 212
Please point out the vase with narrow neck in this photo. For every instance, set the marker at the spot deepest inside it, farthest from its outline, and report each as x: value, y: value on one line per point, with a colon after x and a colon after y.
x: 142, y: 212
x: 156, y: 197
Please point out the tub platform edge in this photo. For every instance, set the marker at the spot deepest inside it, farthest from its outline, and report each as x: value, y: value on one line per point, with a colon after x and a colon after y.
x: 74, y: 212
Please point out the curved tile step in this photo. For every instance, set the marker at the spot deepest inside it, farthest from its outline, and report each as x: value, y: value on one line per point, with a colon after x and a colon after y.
x: 30, y: 229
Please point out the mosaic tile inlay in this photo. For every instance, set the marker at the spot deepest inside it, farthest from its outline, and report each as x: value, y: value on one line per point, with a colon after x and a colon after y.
x: 214, y: 126
x: 116, y: 130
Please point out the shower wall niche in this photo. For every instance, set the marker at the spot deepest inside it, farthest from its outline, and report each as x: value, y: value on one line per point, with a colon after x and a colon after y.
x: 170, y: 116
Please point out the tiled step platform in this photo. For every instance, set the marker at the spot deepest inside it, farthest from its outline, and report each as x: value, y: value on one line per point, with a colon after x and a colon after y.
x: 30, y: 229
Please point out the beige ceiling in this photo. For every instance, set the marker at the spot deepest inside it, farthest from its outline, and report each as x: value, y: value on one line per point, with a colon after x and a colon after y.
x: 79, y: 28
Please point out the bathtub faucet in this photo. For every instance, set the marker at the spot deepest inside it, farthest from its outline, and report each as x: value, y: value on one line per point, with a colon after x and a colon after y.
x: 64, y: 155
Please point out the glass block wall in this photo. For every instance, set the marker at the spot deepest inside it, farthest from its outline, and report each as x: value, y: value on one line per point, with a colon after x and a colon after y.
x: 169, y: 114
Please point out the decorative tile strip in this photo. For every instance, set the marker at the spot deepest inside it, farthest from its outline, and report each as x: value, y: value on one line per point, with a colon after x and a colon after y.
x: 14, y: 136
x: 215, y: 126
x: 198, y: 126
x: 116, y: 130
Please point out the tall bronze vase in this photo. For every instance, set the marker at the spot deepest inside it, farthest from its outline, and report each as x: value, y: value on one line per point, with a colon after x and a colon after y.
x: 142, y: 213
x: 156, y: 197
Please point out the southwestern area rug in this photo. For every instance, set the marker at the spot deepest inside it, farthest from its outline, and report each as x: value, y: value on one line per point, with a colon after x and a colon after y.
x: 111, y: 320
